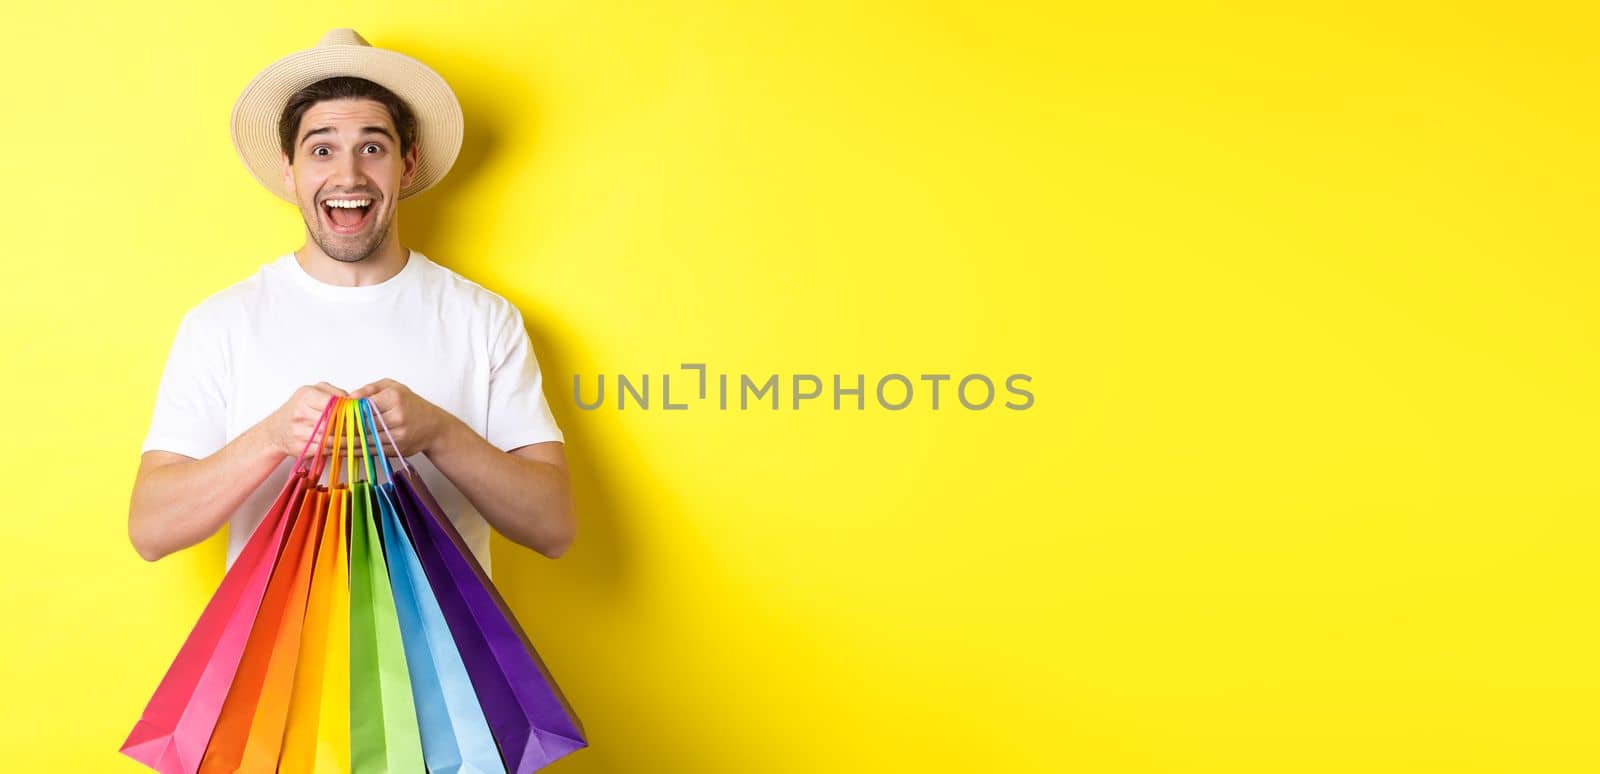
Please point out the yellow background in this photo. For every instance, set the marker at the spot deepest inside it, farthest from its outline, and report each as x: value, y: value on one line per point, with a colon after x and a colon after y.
x: 1307, y: 295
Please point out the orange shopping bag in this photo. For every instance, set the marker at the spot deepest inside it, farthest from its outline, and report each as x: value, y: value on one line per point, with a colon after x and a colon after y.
x: 172, y: 734
x: 317, y: 737
x: 249, y: 731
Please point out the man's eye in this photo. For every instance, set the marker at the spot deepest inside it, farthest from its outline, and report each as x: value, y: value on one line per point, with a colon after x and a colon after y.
x: 320, y: 150
x: 374, y: 148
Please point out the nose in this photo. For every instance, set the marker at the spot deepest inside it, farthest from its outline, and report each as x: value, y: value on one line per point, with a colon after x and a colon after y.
x: 347, y: 172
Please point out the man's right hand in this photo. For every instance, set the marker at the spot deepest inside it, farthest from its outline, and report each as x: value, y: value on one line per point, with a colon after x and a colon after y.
x: 178, y: 501
x: 289, y: 428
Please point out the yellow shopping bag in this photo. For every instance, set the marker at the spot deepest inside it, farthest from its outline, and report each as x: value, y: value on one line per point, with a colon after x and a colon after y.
x: 317, y: 739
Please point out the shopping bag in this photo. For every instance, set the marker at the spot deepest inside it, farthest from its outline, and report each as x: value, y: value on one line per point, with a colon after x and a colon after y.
x: 384, y: 735
x: 530, y: 718
x: 317, y: 736
x: 250, y: 729
x: 172, y: 733
x: 455, y: 735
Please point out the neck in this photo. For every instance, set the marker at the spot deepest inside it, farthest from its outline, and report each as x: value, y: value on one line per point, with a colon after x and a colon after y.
x: 383, y: 263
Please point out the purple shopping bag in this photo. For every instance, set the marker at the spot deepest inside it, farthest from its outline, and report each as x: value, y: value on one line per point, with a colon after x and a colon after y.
x: 530, y: 718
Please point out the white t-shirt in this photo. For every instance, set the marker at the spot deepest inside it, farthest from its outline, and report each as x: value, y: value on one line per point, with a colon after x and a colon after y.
x: 239, y: 355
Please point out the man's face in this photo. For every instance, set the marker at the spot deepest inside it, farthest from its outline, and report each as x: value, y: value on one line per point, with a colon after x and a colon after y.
x: 348, y: 151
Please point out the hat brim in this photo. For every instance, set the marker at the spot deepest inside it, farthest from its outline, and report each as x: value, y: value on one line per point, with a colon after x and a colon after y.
x: 260, y: 106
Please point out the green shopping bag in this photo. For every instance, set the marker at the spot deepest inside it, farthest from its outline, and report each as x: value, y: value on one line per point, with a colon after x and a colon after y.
x: 384, y: 735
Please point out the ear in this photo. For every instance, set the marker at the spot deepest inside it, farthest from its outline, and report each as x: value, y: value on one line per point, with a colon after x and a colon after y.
x: 410, y: 160
x: 288, y: 171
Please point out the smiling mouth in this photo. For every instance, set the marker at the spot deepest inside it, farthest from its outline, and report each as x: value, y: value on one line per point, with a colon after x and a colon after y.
x: 348, y: 215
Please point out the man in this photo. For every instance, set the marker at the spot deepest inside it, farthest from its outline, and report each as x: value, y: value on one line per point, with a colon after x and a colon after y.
x: 346, y: 131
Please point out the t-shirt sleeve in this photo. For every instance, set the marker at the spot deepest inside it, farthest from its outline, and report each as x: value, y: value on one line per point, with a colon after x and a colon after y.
x: 518, y: 412
x: 190, y: 413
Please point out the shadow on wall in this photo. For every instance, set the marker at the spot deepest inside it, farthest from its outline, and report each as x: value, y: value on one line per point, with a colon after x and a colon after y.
x: 564, y: 606
x: 597, y: 560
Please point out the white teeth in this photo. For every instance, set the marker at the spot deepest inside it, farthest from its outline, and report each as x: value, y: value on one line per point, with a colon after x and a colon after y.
x: 348, y: 203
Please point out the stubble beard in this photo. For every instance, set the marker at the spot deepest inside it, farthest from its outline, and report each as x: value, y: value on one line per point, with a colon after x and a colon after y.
x: 341, y: 248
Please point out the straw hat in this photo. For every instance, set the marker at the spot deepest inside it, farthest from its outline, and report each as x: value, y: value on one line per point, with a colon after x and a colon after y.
x: 343, y: 52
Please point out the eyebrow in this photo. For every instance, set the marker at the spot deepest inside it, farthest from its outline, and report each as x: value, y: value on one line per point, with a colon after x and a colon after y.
x: 364, y: 130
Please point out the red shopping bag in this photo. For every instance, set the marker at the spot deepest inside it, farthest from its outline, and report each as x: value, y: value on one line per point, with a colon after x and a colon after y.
x: 249, y: 730
x: 172, y: 734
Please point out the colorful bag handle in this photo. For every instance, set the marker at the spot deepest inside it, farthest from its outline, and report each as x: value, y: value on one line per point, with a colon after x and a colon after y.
x: 388, y: 472
x: 330, y: 438
x: 360, y: 408
x: 353, y: 407
x: 339, y: 431
x: 347, y: 426
x: 327, y: 411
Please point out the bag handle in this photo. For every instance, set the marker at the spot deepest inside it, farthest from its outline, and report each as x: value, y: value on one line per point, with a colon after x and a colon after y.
x: 327, y: 411
x: 371, y: 413
x: 339, y: 433
x: 367, y: 421
x: 359, y: 407
x: 349, y: 443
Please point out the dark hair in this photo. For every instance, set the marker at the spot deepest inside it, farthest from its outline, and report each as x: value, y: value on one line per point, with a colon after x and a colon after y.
x: 345, y: 87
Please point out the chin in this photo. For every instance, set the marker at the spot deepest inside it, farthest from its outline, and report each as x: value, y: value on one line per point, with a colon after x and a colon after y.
x: 346, y: 253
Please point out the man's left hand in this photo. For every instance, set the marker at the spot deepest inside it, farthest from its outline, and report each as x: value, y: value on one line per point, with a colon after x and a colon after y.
x: 416, y: 424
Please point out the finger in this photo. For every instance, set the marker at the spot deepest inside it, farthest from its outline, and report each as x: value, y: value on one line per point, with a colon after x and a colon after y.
x: 313, y: 420
x: 382, y: 385
x: 316, y: 398
x: 371, y: 389
x: 329, y: 389
x: 384, y: 399
x: 310, y: 445
x: 315, y: 407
